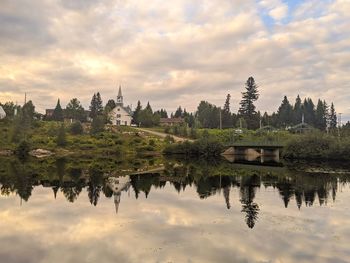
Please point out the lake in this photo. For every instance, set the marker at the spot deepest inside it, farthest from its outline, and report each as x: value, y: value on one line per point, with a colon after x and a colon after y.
x: 190, y: 211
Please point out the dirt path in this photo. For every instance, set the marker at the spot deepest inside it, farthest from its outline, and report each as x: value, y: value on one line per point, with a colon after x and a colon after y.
x: 163, y: 135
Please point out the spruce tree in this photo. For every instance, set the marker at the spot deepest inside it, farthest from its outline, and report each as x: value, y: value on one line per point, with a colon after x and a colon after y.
x: 247, y: 108
x: 93, y: 108
x: 226, y: 113
x: 178, y: 112
x: 332, y: 117
x: 285, y: 113
x: 297, y: 111
x: 74, y: 110
x: 58, y: 112
x: 136, y: 114
x: 320, y: 115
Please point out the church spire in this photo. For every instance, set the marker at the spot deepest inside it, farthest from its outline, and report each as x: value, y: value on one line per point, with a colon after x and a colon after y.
x: 120, y: 96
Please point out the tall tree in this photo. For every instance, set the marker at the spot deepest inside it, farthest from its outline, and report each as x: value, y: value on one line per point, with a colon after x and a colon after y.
x: 226, y: 113
x: 136, y: 114
x: 111, y: 104
x: 332, y: 117
x: 247, y: 108
x: 285, y: 113
x: 96, y: 107
x: 308, y: 109
x: 58, y: 112
x: 321, y: 115
x: 297, y: 111
x: 178, y: 112
x: 74, y: 110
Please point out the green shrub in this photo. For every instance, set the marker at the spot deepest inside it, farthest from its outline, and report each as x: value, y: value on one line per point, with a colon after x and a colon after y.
x: 76, y: 128
x: 152, y: 143
x: 61, y: 136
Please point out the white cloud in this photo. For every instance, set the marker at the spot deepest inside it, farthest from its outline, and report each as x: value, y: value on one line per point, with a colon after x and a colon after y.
x: 173, y: 52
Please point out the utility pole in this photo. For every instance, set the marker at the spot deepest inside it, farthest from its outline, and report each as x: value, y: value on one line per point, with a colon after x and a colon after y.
x: 25, y: 98
x: 220, y: 119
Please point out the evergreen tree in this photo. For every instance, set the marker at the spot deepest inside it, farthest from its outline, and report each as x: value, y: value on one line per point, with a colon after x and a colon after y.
x: 96, y: 107
x: 297, y: 111
x: 178, y: 112
x: 321, y: 115
x: 136, y: 115
x: 58, y: 112
x: 247, y: 108
x: 308, y: 109
x: 149, y: 108
x: 285, y: 113
x: 332, y: 117
x: 74, y: 110
x: 226, y: 113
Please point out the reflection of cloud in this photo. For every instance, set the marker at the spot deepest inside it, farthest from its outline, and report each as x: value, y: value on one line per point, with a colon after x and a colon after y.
x: 173, y: 52
x: 170, y: 227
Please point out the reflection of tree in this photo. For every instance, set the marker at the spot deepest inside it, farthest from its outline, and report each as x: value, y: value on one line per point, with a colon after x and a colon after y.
x: 247, y: 193
x: 286, y: 191
x: 23, y: 181
x: 251, y: 210
x: 95, y: 185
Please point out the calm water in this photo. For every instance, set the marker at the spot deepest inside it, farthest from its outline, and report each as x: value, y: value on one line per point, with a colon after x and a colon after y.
x: 191, y: 212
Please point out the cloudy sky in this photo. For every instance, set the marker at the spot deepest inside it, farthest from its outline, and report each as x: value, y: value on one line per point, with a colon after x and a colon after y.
x: 175, y: 52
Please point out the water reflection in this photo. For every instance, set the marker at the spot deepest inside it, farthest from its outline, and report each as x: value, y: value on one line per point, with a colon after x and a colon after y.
x: 208, y: 178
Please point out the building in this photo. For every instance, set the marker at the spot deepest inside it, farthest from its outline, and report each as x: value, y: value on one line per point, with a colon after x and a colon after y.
x: 2, y: 113
x: 121, y: 115
x: 171, y: 121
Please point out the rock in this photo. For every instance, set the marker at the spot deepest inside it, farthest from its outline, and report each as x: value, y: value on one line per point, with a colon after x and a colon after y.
x: 6, y: 152
x: 40, y: 153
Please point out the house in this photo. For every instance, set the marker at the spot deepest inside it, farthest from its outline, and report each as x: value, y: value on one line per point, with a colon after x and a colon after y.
x: 2, y: 113
x: 121, y: 115
x: 171, y: 121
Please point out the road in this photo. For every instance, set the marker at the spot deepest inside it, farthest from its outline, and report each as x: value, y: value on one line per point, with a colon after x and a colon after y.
x: 163, y: 135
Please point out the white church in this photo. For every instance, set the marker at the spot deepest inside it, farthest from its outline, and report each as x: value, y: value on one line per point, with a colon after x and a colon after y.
x: 121, y: 115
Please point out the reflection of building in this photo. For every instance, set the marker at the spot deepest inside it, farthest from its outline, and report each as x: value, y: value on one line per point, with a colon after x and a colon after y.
x: 117, y: 185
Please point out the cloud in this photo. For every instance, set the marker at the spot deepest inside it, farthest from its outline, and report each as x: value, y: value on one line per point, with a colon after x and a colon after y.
x: 174, y: 53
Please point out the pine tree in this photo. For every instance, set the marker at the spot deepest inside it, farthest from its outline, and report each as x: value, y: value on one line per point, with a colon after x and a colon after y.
x: 178, y: 112
x: 285, y: 113
x: 320, y: 115
x: 226, y: 113
x: 99, y: 104
x: 136, y: 115
x: 93, y: 107
x: 297, y: 111
x: 332, y: 117
x: 58, y: 112
x: 247, y: 108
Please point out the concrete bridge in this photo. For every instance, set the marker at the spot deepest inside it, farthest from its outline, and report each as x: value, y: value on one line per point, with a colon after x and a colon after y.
x: 254, y: 150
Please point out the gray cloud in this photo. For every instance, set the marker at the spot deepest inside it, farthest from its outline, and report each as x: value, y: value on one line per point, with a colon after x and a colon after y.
x: 174, y: 53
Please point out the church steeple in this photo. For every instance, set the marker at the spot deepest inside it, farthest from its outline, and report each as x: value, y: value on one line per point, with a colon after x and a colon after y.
x: 120, y: 97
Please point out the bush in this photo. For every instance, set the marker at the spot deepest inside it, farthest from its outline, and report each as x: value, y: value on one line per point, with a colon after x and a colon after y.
x: 169, y: 139
x: 97, y: 125
x: 76, y: 128
x: 317, y: 146
x: 152, y: 143
x: 203, y: 147
x: 61, y: 136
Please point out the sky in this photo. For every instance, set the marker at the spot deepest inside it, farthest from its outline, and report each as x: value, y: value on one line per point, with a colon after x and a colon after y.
x: 175, y: 52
